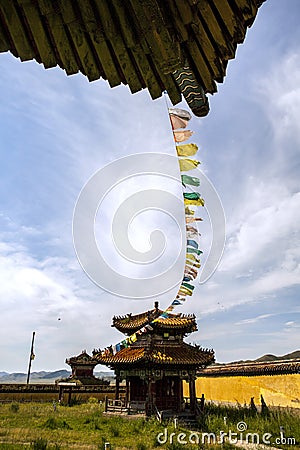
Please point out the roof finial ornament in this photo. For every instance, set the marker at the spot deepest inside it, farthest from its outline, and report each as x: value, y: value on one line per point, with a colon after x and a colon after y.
x: 156, y: 305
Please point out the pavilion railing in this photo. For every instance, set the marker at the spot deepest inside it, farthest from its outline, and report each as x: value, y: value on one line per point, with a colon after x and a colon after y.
x: 115, y: 406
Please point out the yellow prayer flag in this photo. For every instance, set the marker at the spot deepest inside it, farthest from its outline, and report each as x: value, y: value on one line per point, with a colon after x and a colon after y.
x: 170, y: 308
x: 186, y: 149
x: 186, y: 164
x: 188, y: 211
x: 185, y: 291
x: 192, y: 257
x: 194, y: 202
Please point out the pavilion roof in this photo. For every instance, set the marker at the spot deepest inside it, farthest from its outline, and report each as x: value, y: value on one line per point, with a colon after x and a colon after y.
x: 161, y: 354
x: 82, y: 358
x: 129, y: 323
x: 137, y: 43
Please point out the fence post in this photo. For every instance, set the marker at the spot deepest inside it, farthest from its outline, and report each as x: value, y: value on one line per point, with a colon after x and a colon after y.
x: 202, y: 402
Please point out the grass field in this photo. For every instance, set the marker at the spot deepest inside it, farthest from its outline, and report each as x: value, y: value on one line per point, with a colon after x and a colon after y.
x: 84, y: 426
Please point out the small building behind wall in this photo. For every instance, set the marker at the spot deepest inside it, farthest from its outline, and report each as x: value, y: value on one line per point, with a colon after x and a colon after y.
x: 83, y: 369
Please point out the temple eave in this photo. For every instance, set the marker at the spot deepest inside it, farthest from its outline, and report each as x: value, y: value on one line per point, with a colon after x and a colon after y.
x: 183, y: 355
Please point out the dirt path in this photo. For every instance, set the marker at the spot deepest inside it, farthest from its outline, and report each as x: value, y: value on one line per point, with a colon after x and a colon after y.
x: 248, y: 446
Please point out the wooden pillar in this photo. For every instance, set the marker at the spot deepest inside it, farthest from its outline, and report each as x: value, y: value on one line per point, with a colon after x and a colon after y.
x: 149, y: 402
x: 127, y: 395
x: 69, y: 396
x: 192, y: 388
x: 180, y: 394
x: 117, y: 394
x: 202, y: 403
x: 60, y: 394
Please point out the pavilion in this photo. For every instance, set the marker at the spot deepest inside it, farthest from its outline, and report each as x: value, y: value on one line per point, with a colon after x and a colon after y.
x: 155, y: 365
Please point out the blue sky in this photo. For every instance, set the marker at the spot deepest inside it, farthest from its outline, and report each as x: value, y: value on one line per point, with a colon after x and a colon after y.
x: 57, y: 131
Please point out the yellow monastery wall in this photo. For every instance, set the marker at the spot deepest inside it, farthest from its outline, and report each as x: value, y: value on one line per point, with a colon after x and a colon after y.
x: 277, y: 390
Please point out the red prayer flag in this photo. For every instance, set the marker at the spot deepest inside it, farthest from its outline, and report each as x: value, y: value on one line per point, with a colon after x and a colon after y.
x: 181, y: 136
x: 177, y: 122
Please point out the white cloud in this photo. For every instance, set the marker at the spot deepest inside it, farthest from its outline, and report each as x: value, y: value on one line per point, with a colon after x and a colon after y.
x: 267, y: 229
x: 71, y: 128
x: 280, y: 92
x: 254, y: 319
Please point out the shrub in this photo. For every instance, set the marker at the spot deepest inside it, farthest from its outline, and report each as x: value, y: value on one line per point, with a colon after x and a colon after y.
x: 54, y: 423
x: 76, y: 400
x: 39, y: 444
x: 175, y: 446
x: 92, y: 400
x: 101, y: 446
x: 114, y: 429
x: 141, y: 446
x: 51, y: 423
x: 97, y: 426
x: 138, y: 426
x: 14, y: 407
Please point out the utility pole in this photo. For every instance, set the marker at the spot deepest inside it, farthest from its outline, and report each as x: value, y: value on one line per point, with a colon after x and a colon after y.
x: 31, y: 357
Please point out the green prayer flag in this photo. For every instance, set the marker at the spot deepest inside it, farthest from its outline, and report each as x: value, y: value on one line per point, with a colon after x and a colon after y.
x: 187, y: 285
x: 191, y: 195
x: 193, y: 181
x: 193, y: 250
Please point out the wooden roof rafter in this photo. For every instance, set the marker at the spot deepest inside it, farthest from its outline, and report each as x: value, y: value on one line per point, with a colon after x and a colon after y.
x: 140, y: 43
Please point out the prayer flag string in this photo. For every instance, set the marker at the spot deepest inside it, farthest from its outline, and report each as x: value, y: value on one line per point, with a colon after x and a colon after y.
x: 179, y: 119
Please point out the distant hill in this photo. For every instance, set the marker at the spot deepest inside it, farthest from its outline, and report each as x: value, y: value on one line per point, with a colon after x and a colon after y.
x: 270, y: 357
x: 50, y: 377
x: 45, y: 377
x: 267, y: 358
x: 57, y: 374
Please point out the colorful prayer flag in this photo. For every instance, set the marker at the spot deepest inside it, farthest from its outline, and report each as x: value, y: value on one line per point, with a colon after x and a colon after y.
x: 192, y: 235
x: 186, y: 164
x: 193, y: 181
x: 186, y: 149
x: 177, y: 122
x: 193, y: 250
x: 192, y: 243
x: 181, y: 136
x: 176, y: 302
x: 188, y: 286
x: 193, y: 258
x: 199, y: 202
x: 193, y: 219
x: 191, y: 195
x: 184, y: 291
x: 182, y: 113
x: 187, y: 278
x: 190, y: 228
x: 188, y: 211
